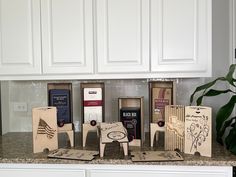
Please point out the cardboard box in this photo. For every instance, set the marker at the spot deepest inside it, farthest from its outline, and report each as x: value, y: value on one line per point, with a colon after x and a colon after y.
x: 161, y: 93
x: 92, y: 101
x: 60, y: 96
x: 132, y: 119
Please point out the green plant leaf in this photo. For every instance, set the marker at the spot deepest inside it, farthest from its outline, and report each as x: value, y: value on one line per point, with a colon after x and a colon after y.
x: 228, y: 78
x: 204, y: 87
x: 228, y: 123
x: 223, y: 114
x: 230, y: 140
x: 212, y: 92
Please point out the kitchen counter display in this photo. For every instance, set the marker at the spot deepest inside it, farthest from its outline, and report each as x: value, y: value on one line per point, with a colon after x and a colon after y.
x: 17, y: 148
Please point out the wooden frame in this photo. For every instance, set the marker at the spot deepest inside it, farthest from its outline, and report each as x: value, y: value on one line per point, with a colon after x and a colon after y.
x: 133, y: 102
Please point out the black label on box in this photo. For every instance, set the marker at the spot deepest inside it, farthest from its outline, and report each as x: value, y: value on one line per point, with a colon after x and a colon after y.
x: 130, y: 117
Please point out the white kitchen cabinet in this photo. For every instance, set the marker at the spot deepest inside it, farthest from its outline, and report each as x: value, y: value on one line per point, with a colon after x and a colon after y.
x: 181, y: 37
x: 41, y: 173
x: 163, y: 171
x: 67, y: 36
x: 106, y: 170
x: 20, y: 45
x: 122, y: 36
x: 104, y: 39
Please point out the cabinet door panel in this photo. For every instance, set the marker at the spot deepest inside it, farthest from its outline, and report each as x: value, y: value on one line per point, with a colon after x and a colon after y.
x: 181, y: 36
x: 41, y: 173
x: 123, y: 36
x: 20, y: 46
x: 67, y: 36
x: 171, y: 172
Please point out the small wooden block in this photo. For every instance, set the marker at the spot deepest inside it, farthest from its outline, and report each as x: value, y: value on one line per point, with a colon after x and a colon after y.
x: 44, y: 124
x: 198, y: 130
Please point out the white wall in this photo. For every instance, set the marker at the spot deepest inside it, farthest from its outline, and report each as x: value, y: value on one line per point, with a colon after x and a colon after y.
x: 34, y: 93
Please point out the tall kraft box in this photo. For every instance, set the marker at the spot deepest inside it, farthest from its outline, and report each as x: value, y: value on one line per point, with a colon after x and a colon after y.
x: 44, y: 120
x: 161, y: 93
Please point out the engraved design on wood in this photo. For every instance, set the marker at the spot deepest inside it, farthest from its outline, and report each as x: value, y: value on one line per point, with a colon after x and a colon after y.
x: 174, y: 133
x: 44, y: 128
x: 198, y: 131
x: 116, y: 135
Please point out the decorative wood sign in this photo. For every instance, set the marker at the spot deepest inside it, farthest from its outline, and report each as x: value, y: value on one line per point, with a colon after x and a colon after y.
x: 44, y: 123
x: 111, y: 132
x: 198, y: 130
x: 174, y: 133
x: 155, y: 156
x: 73, y: 154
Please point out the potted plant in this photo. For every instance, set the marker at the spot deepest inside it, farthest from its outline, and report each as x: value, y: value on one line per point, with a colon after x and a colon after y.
x: 223, y: 115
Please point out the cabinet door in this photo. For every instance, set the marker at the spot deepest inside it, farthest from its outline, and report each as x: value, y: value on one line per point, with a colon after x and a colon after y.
x: 163, y: 171
x: 181, y: 37
x: 20, y: 45
x: 41, y: 173
x: 122, y: 36
x: 67, y: 36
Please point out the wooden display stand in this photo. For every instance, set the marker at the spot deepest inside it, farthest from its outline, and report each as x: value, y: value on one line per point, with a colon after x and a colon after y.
x: 67, y: 127
x: 133, y: 102
x: 161, y: 93
x: 155, y: 129
x: 174, y: 133
x: 113, y: 132
x: 91, y: 125
x: 44, y: 124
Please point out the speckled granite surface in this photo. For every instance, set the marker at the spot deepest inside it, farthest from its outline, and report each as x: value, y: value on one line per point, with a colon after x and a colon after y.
x: 17, y: 148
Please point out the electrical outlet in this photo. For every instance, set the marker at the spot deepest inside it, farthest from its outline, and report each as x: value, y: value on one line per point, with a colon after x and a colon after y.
x: 20, y: 107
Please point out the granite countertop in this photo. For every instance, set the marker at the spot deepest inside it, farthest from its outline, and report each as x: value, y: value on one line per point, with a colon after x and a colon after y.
x: 17, y: 148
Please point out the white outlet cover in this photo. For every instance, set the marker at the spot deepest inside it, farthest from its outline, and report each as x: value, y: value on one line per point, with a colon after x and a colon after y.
x: 19, y: 106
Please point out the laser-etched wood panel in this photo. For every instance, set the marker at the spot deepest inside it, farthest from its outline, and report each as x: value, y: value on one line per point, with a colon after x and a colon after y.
x: 198, y: 130
x: 44, y: 120
x: 174, y: 133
